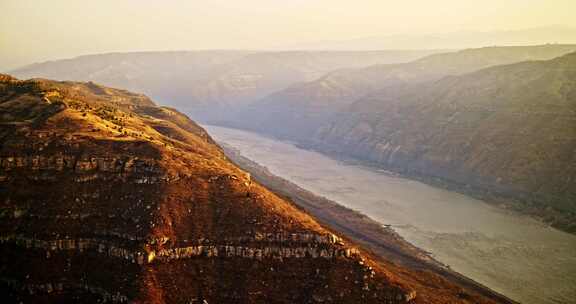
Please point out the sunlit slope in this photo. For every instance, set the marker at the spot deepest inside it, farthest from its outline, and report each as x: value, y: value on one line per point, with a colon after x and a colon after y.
x: 106, y: 197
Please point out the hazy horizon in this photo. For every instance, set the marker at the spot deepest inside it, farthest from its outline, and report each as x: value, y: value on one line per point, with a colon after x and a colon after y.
x: 288, y: 151
x: 35, y: 31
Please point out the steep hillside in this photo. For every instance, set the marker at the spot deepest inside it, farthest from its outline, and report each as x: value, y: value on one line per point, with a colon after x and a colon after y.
x: 296, y: 111
x: 106, y: 197
x: 508, y: 131
x: 205, y: 83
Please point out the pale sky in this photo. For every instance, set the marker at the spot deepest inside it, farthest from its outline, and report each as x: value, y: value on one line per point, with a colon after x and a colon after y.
x: 37, y: 30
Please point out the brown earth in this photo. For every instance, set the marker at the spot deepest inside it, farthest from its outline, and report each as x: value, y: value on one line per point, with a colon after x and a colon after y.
x: 106, y: 197
x: 412, y: 264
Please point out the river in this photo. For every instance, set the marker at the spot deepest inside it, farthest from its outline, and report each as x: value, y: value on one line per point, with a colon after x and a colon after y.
x: 512, y: 254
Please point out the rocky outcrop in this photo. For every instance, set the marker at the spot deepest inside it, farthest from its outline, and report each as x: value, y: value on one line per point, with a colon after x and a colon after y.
x: 204, y: 248
x: 105, y: 197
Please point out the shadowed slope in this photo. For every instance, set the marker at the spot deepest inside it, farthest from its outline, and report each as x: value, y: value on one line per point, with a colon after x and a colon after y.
x: 508, y: 130
x: 297, y: 111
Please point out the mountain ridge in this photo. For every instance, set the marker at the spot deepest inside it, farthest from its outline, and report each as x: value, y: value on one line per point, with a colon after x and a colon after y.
x: 301, y: 108
x: 506, y: 130
x: 207, y: 82
x: 138, y: 216
x: 109, y: 198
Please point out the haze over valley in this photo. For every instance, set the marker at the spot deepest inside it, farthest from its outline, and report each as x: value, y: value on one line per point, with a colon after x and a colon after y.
x: 288, y: 152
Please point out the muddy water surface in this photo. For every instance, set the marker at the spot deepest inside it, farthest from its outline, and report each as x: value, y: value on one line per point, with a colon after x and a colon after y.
x: 511, y: 254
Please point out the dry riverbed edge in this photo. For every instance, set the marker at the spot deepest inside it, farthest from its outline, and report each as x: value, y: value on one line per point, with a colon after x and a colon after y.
x: 381, y: 241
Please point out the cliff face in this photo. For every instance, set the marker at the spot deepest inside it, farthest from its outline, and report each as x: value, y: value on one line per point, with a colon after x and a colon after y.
x: 508, y: 130
x: 298, y: 110
x: 105, y: 197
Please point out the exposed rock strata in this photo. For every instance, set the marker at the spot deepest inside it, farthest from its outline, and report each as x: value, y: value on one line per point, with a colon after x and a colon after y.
x: 105, y: 197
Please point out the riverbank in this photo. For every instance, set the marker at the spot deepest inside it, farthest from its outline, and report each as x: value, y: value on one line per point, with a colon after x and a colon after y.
x: 509, y: 253
x: 383, y: 242
x: 504, y: 198
x: 508, y: 199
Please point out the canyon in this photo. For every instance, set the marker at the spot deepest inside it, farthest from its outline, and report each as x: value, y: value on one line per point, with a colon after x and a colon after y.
x: 430, y: 118
x: 107, y: 197
x: 504, y: 133
x: 415, y: 224
x: 495, y: 124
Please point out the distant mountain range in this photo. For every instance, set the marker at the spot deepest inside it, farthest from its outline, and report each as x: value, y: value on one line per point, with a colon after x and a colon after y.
x: 298, y: 110
x: 494, y: 121
x: 205, y: 83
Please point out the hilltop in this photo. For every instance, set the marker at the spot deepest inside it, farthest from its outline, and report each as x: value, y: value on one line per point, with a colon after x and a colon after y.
x: 107, y: 197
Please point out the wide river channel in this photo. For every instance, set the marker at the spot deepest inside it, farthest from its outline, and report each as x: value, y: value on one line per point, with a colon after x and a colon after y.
x: 511, y: 254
